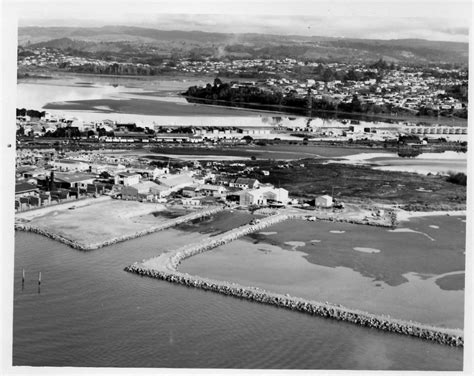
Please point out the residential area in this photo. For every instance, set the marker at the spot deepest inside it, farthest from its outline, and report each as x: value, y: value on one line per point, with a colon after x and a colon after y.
x: 429, y: 91
x: 45, y: 177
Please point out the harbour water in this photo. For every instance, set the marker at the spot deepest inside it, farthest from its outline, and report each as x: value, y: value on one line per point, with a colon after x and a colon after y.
x: 90, y: 312
x: 369, y: 268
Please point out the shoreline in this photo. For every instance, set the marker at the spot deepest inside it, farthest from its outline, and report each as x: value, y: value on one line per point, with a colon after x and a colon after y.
x: 405, y: 216
x: 119, y: 238
x: 165, y: 267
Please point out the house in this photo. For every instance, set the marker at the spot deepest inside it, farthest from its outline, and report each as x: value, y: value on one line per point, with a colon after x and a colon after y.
x: 245, y: 183
x: 143, y: 191
x: 26, y: 196
x: 176, y: 182
x: 112, y: 169
x: 221, y: 180
x: 324, y: 201
x: 152, y: 172
x: 212, y: 190
x: 190, y: 191
x: 74, y: 180
x: 262, y: 196
x: 25, y: 189
x: 127, y: 178
x: 191, y: 201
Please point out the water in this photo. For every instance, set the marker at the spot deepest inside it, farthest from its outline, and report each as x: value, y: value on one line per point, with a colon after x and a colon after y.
x: 90, y: 312
x: 399, y: 279
x: 426, y: 163
x: 148, y: 102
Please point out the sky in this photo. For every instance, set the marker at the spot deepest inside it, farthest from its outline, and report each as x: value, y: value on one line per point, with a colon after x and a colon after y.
x: 377, y: 19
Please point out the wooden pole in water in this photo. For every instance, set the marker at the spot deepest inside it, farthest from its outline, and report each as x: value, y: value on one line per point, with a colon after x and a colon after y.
x: 23, y: 276
x: 39, y: 278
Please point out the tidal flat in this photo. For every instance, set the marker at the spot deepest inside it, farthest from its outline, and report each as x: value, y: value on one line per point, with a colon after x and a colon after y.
x: 400, y: 280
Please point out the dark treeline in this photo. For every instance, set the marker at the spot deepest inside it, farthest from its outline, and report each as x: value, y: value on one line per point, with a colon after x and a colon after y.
x: 115, y: 69
x: 457, y: 178
x: 31, y: 113
x: 224, y: 94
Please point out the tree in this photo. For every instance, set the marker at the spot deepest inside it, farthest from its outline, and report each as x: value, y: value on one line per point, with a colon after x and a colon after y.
x: 356, y: 105
x: 105, y: 175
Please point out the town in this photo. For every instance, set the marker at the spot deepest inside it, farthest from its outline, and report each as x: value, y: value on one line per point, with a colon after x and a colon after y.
x: 379, y: 87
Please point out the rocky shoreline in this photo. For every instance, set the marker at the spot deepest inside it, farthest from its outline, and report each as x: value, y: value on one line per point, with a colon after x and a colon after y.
x: 91, y: 246
x: 438, y: 335
x: 165, y: 266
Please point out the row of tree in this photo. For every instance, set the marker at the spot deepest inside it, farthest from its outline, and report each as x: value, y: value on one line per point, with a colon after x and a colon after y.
x: 224, y: 93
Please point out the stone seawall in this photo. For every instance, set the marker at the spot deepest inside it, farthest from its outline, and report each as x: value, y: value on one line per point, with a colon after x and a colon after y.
x: 438, y: 335
x: 91, y: 246
x: 165, y: 266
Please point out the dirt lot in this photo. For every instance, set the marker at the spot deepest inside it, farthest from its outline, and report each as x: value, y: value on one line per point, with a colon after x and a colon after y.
x: 98, y: 222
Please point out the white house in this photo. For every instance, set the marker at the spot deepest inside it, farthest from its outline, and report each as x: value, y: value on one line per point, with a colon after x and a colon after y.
x: 212, y: 190
x: 324, y: 201
x: 261, y: 196
x: 127, y: 178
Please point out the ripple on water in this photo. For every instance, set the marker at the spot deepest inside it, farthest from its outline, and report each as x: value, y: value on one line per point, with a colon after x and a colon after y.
x: 366, y: 250
x: 295, y: 244
x: 413, y: 231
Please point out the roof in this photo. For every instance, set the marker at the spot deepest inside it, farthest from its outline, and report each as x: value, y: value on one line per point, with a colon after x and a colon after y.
x: 68, y: 161
x: 145, y: 186
x: 326, y: 197
x: 211, y: 187
x: 24, y: 187
x: 23, y: 169
x: 128, y: 174
x: 73, y: 178
x: 246, y: 181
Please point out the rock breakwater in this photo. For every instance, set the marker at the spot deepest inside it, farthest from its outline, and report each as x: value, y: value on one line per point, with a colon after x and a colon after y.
x: 438, y: 335
x: 91, y: 246
x: 165, y: 266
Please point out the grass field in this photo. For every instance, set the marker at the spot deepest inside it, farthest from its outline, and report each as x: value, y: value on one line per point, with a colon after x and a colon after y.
x: 363, y: 184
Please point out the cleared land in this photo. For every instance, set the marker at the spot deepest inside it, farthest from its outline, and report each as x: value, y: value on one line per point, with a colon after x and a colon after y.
x: 99, y: 222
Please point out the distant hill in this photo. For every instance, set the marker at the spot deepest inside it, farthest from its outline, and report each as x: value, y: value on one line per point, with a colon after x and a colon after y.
x: 129, y: 40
